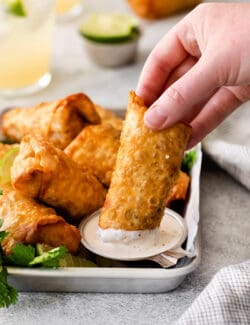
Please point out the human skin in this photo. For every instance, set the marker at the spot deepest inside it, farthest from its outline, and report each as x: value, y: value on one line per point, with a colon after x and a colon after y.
x: 199, y: 72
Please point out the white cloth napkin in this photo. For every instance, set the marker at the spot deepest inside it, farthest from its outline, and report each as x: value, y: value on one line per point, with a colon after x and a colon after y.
x: 229, y: 145
x: 225, y: 301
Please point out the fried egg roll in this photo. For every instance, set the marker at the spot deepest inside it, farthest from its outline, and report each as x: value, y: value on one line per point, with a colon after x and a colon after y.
x: 107, y: 116
x: 29, y: 222
x: 57, y: 121
x: 180, y: 188
x: 147, y: 166
x: 45, y: 172
x: 95, y: 148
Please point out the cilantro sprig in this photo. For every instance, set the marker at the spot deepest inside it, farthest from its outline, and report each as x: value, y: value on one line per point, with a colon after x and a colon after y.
x: 8, y: 294
x: 21, y: 255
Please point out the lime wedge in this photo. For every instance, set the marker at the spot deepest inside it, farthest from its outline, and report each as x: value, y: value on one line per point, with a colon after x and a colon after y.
x: 68, y: 261
x: 109, y: 28
x: 14, y: 7
x: 5, y: 164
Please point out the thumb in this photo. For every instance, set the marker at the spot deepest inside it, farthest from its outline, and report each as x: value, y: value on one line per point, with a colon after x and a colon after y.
x: 179, y: 101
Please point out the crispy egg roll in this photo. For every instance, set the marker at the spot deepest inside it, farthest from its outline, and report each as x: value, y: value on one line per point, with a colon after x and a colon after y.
x: 57, y: 121
x: 95, y: 148
x: 147, y: 166
x: 180, y: 188
x: 107, y: 116
x: 45, y: 172
x: 29, y: 222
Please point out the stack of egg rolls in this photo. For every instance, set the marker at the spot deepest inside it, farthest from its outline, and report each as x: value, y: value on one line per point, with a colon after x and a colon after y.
x: 71, y: 150
x: 46, y: 182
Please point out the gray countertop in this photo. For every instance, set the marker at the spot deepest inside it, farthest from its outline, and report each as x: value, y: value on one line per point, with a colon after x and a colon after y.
x: 224, y: 208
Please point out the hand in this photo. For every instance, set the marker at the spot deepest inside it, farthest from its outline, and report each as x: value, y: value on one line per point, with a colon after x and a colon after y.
x: 199, y: 72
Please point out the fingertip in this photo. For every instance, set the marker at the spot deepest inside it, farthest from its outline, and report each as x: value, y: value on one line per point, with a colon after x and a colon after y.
x: 146, y: 93
x: 138, y: 91
x: 154, y: 118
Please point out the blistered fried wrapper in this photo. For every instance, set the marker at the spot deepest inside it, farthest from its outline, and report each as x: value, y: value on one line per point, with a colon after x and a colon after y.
x: 147, y: 165
x: 58, y: 121
x: 109, y: 117
x: 28, y: 222
x: 95, y: 148
x: 45, y: 172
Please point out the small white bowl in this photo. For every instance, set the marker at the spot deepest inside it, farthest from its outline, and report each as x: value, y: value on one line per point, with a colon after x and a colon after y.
x: 111, y: 55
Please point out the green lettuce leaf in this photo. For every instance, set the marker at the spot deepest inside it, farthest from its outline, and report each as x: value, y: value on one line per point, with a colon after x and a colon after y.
x: 188, y: 161
x: 50, y: 258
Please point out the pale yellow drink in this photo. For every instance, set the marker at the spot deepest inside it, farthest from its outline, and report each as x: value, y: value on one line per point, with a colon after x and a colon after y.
x: 63, y: 6
x: 25, y: 45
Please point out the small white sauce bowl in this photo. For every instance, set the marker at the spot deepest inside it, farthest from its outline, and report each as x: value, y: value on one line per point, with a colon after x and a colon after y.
x: 111, y: 54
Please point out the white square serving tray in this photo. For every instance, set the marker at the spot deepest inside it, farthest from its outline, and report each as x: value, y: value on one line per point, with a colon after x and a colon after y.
x: 118, y: 279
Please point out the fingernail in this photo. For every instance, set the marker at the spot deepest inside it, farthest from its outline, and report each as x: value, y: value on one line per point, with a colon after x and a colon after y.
x: 155, y: 118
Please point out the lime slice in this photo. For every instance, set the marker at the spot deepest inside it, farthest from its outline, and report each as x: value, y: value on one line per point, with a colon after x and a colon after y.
x: 5, y: 164
x: 14, y: 7
x: 68, y: 261
x: 109, y: 28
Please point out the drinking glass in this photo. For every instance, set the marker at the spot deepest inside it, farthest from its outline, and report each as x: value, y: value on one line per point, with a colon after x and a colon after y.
x: 25, y: 47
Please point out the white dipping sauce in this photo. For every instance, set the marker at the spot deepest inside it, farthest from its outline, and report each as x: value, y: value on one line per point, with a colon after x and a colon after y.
x: 133, y: 245
x: 120, y: 235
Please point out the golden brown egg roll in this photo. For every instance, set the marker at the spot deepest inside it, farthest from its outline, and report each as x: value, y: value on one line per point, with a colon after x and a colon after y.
x: 58, y: 121
x: 147, y: 166
x: 180, y: 188
x: 95, y: 149
x: 107, y: 116
x: 45, y: 172
x: 29, y: 222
